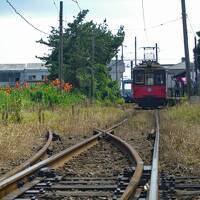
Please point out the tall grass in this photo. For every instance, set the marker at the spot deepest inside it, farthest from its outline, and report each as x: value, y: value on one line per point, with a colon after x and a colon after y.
x: 180, y: 139
x: 185, y: 112
x: 18, y: 140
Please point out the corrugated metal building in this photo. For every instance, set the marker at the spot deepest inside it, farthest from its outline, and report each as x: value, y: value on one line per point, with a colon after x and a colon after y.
x: 30, y: 72
x: 117, y: 70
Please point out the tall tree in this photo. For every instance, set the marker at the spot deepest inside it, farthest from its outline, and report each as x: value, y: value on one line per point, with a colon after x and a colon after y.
x: 197, y: 51
x: 86, y: 45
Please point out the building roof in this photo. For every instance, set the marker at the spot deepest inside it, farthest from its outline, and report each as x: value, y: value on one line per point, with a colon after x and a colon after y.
x: 21, y: 67
x: 178, y: 66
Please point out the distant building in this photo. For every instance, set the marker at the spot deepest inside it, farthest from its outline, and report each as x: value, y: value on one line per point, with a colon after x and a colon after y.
x: 175, y: 70
x: 117, y: 70
x: 30, y: 72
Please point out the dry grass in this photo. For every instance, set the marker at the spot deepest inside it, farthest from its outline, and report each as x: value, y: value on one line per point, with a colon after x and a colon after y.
x: 135, y: 132
x: 22, y: 140
x: 18, y: 143
x: 180, y: 139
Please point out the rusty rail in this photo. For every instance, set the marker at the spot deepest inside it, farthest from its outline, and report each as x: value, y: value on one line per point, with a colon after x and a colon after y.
x: 109, y: 130
x: 134, y: 158
x: 30, y: 161
x: 9, y: 187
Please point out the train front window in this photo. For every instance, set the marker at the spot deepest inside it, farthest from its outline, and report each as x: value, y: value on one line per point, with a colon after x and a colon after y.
x: 139, y: 78
x: 148, y: 79
x: 159, y: 80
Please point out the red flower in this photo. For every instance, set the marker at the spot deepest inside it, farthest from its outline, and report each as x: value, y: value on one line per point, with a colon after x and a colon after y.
x: 26, y: 85
x: 16, y: 84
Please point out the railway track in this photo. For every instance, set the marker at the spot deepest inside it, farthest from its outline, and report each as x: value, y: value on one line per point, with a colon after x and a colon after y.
x: 179, y: 187
x: 101, y: 167
x: 34, y: 159
x: 39, y: 177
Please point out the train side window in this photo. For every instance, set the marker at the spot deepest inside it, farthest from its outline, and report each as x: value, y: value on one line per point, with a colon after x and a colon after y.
x: 159, y: 79
x: 139, y: 78
x: 148, y: 79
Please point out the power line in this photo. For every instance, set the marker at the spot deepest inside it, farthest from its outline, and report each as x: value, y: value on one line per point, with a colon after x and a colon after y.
x: 55, y: 6
x: 25, y: 18
x: 165, y: 23
x: 151, y: 27
x: 77, y: 3
x: 144, y: 22
x: 193, y: 32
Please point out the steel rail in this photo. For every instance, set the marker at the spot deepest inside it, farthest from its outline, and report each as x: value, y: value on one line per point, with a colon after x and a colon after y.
x: 153, y: 193
x: 30, y: 161
x: 134, y: 158
x: 109, y: 130
x: 10, y: 185
x: 115, y: 126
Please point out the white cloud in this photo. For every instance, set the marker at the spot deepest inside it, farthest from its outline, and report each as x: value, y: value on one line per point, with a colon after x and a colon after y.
x: 18, y: 40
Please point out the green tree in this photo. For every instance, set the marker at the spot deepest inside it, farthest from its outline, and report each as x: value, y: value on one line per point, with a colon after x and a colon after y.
x: 78, y: 38
x: 197, y: 51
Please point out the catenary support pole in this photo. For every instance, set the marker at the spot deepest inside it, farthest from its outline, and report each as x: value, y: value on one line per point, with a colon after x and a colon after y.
x: 116, y: 66
x: 156, y: 52
x: 135, y: 51
x: 187, y: 58
x: 60, y: 74
x: 195, y: 64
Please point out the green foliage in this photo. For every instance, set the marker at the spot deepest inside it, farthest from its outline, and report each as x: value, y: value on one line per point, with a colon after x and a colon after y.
x: 86, y: 45
x: 11, y: 106
x: 48, y: 96
x: 13, y: 101
x: 197, y: 52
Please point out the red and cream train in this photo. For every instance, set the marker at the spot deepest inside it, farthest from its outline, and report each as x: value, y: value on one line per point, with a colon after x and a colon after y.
x: 149, y: 84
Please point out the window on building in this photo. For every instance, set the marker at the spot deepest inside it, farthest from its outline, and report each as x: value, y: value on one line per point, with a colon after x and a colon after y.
x: 148, y: 79
x: 32, y: 77
x: 4, y: 77
x: 44, y: 77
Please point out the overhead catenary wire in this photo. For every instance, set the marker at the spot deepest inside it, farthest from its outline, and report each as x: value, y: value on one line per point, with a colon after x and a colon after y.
x: 77, y: 3
x: 165, y: 23
x: 15, y: 10
x: 54, y: 3
x: 144, y: 22
x: 192, y: 29
x: 152, y: 27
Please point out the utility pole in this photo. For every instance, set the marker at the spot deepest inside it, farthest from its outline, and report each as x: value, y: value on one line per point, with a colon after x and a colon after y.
x: 122, y: 56
x: 91, y: 84
x: 187, y: 57
x: 156, y: 52
x: 92, y: 67
x: 135, y: 51
x: 195, y: 64
x: 60, y: 74
x: 116, y: 66
x: 93, y: 48
x: 122, y: 59
x: 131, y: 70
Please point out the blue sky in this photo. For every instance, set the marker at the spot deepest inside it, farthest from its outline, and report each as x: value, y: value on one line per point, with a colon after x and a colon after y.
x: 17, y: 38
